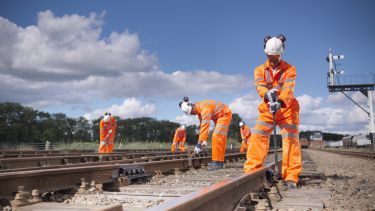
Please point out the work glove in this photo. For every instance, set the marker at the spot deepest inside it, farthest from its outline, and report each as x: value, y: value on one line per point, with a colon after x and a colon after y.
x: 204, y: 144
x: 198, y: 148
x: 275, y: 106
x: 271, y: 96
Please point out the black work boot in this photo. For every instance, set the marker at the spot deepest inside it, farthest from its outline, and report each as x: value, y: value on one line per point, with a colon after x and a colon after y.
x: 290, y: 185
x: 215, y: 165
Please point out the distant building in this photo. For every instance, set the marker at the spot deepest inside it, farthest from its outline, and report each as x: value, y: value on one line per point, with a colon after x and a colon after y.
x: 304, y: 143
x: 317, y: 136
x: 316, y: 140
x: 333, y: 143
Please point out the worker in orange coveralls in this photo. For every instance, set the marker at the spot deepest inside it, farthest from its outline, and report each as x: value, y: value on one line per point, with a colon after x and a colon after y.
x: 275, y: 81
x: 179, y: 139
x: 245, y: 136
x: 221, y: 115
x: 108, y: 127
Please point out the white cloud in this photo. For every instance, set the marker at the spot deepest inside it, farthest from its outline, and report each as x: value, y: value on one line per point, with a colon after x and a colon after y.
x: 130, y: 108
x: 66, y: 61
x: 340, y: 99
x: 70, y: 48
x: 308, y: 103
x: 187, y: 120
x: 246, y: 106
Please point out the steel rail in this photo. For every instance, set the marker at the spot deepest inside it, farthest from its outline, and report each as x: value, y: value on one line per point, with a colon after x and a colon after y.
x: 13, y: 163
x: 65, y: 178
x: 103, y: 162
x: 224, y: 195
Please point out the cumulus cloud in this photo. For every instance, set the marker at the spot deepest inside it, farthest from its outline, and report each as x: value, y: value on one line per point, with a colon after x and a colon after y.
x: 130, y: 108
x: 67, y: 61
x: 247, y: 107
x: 70, y: 48
x: 187, y: 120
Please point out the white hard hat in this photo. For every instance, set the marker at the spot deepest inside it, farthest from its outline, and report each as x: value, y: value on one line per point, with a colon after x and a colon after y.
x: 106, y: 117
x: 183, y: 127
x: 186, y: 106
x: 242, y: 124
x: 274, y: 45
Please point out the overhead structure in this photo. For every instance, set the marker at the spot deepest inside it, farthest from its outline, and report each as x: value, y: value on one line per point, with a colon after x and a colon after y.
x: 337, y: 82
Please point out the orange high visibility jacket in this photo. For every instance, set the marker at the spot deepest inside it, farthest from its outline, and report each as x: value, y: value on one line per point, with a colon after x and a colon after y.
x: 106, y: 126
x: 283, y: 80
x: 245, y: 132
x: 179, y: 135
x: 208, y: 110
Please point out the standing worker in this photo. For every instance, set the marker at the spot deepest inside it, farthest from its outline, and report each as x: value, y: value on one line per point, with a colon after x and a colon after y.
x: 245, y: 136
x: 275, y: 81
x: 108, y: 127
x: 206, y: 111
x: 179, y: 139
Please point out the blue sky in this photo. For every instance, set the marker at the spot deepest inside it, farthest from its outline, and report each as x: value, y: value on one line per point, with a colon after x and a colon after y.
x: 209, y: 40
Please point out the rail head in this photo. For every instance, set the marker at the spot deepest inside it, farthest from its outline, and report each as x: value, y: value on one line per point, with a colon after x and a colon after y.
x: 224, y: 195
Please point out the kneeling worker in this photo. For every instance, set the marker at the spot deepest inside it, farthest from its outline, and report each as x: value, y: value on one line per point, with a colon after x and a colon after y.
x: 221, y: 115
x: 108, y: 127
x: 179, y: 139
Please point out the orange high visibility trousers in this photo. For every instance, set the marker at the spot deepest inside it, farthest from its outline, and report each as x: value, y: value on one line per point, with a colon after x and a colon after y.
x: 288, y: 120
x: 179, y: 140
x: 219, y: 136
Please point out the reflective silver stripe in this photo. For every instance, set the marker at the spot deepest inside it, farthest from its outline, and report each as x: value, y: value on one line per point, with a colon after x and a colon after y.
x: 105, y: 142
x: 220, y: 132
x: 289, y: 135
x: 260, y: 132
x: 221, y: 126
x: 263, y: 85
x: 268, y: 76
x: 258, y: 79
x: 270, y: 125
x: 205, y: 121
x: 219, y: 108
x: 287, y: 87
x: 208, y: 116
x: 292, y: 126
x: 289, y: 80
x: 278, y: 87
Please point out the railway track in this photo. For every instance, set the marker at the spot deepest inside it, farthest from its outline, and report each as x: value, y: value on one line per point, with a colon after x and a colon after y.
x: 176, y: 184
x: 46, y: 153
x: 368, y: 155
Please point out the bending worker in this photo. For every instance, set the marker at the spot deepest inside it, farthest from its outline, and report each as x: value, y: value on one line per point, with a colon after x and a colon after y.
x: 274, y: 81
x: 245, y: 136
x: 206, y: 111
x: 179, y: 139
x: 108, y: 127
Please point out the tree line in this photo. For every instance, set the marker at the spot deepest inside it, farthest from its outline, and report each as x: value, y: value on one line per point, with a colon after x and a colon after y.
x: 23, y: 124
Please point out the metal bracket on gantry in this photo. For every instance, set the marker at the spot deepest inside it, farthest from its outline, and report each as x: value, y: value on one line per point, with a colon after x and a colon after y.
x: 338, y: 82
